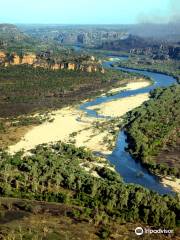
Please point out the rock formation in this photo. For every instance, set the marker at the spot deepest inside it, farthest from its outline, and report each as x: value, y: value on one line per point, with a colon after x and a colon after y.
x: 15, y: 60
x: 144, y: 46
x: 44, y: 60
x: 2, y: 55
x: 28, y: 59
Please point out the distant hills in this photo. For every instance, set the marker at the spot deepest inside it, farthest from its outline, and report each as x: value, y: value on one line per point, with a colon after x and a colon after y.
x: 9, y: 32
x: 155, y: 49
x: 89, y: 36
x: 126, y: 44
x: 156, y: 41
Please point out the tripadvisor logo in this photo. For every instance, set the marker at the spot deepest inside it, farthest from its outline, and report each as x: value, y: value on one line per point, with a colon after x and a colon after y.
x: 139, y: 231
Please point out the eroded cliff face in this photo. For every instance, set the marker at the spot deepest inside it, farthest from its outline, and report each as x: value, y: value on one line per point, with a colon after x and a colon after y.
x: 90, y: 64
x: 159, y: 50
x: 29, y: 59
x: 2, y: 55
x: 15, y: 60
x: 162, y: 52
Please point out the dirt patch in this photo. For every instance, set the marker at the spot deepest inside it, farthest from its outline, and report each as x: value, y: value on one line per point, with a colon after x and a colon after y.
x: 13, y: 135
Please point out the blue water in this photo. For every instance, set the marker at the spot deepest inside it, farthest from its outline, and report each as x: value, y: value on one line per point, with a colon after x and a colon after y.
x: 130, y: 169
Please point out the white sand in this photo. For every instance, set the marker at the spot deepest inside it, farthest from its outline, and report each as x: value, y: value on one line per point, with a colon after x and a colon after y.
x: 91, y: 165
x: 65, y: 123
x: 91, y: 140
x: 131, y: 86
x: 118, y: 108
x: 175, y: 184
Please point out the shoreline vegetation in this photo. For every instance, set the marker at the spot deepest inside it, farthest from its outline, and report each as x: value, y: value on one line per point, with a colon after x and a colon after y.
x: 51, y: 173
x: 96, y: 135
x: 168, y: 67
x: 153, y: 135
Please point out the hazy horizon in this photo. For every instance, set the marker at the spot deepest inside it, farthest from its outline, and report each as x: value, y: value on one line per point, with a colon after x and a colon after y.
x: 84, y: 12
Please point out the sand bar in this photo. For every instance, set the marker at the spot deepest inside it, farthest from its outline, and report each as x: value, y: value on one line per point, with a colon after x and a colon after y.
x: 131, y: 86
x: 66, y: 121
x: 118, y: 108
x: 174, y: 184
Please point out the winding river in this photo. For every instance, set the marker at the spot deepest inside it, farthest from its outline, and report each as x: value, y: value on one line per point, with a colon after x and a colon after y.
x: 130, y: 169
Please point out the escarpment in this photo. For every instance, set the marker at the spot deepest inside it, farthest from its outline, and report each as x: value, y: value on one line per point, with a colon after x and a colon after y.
x: 45, y: 60
x: 156, y: 49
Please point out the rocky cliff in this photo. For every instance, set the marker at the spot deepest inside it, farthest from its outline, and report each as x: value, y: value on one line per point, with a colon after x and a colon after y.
x: 44, y: 60
x: 145, y: 46
x: 161, y: 51
x: 90, y: 36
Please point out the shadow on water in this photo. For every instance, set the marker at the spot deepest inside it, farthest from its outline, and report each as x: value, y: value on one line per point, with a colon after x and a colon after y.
x: 131, y: 170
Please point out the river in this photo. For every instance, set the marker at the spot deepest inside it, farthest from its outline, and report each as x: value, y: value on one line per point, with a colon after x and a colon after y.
x: 130, y: 169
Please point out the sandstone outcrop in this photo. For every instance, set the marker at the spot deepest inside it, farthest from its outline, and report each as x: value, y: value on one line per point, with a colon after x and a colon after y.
x: 28, y: 59
x: 87, y: 63
x: 71, y: 66
x: 143, y: 46
x: 2, y: 55
x: 15, y: 60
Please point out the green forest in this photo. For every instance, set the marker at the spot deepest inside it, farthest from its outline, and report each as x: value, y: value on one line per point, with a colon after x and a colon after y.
x: 153, y: 128
x: 52, y: 173
x: 169, y: 67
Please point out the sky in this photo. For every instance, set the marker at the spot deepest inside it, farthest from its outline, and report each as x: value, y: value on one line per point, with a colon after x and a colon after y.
x: 88, y: 11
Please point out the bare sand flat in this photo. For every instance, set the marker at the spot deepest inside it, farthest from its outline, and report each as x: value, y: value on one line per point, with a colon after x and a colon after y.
x: 175, y: 184
x: 118, y: 108
x: 66, y: 121
x: 131, y: 86
x: 64, y: 124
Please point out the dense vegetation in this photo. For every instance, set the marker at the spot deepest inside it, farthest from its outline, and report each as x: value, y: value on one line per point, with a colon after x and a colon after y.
x: 24, y: 89
x: 154, y: 127
x: 169, y: 67
x: 52, y: 173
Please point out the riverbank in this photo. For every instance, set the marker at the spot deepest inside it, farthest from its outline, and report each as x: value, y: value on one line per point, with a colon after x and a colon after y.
x: 170, y: 68
x: 71, y: 125
x: 173, y: 183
